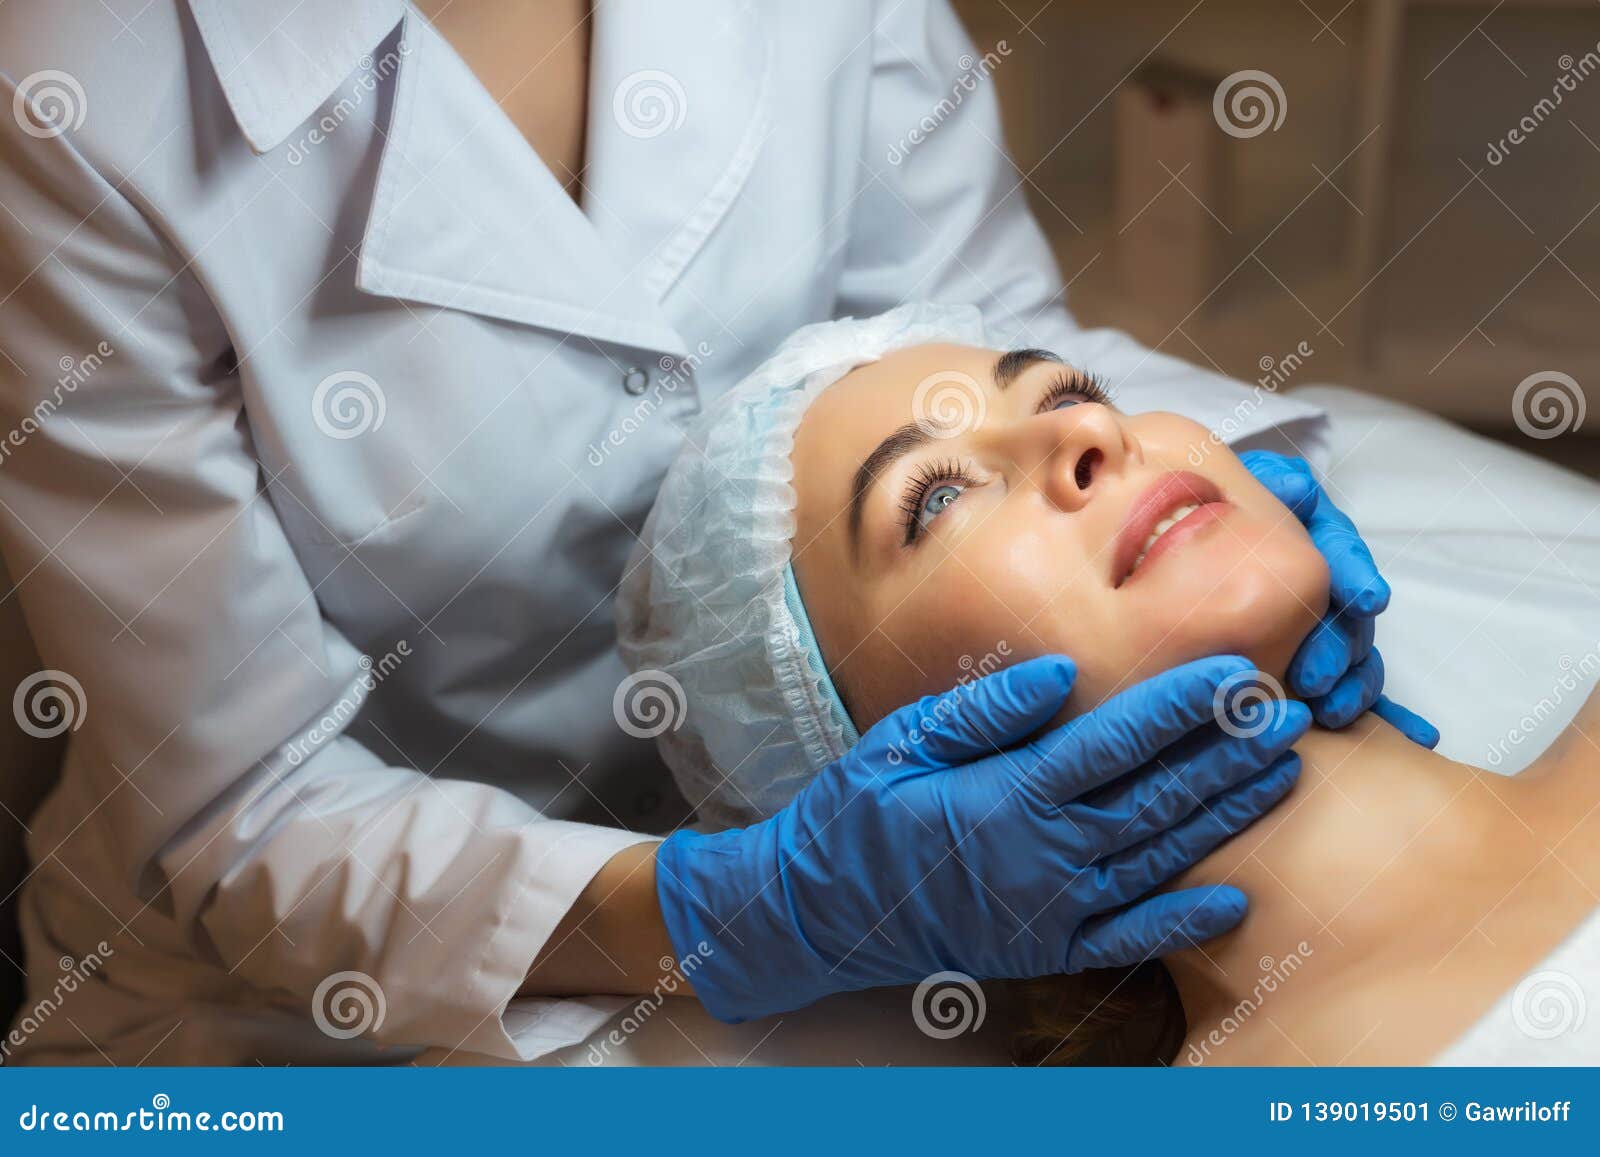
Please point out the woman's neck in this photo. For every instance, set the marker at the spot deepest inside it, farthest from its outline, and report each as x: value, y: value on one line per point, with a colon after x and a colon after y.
x: 1393, y: 894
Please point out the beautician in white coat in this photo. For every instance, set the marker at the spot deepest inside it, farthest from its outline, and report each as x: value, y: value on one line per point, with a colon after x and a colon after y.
x: 341, y: 353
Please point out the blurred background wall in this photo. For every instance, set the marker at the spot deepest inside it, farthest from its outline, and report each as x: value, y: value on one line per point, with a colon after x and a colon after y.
x: 1415, y: 195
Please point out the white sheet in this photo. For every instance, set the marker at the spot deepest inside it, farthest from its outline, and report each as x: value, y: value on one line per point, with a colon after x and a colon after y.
x: 1494, y: 557
x: 1494, y: 634
x: 1551, y: 1017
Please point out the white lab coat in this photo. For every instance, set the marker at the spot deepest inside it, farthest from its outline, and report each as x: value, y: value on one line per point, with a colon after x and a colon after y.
x: 332, y: 418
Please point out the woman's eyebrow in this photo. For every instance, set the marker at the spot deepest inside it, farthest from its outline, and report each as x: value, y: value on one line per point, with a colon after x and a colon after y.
x: 896, y: 446
x: 1008, y: 367
x: 1013, y: 364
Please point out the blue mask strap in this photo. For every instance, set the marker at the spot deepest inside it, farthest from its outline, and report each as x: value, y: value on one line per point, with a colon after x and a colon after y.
x: 808, y: 640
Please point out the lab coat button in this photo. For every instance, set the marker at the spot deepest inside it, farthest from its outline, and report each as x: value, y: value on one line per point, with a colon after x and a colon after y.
x: 634, y: 380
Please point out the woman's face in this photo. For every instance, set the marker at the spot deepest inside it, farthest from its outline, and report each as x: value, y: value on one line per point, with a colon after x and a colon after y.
x: 960, y: 510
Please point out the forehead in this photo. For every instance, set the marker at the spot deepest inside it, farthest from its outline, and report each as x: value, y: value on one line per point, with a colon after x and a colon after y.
x: 854, y: 413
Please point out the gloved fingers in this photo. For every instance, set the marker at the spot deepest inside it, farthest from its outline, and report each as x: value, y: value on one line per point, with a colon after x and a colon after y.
x: 1338, y: 642
x: 1354, y: 584
x: 1120, y: 879
x: 1202, y: 764
x: 1352, y: 695
x: 1413, y: 726
x: 1323, y: 656
x: 985, y: 716
x: 1153, y: 927
x: 1127, y: 730
x: 1289, y: 479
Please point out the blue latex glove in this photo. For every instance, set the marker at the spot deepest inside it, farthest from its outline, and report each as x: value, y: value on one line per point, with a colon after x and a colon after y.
x: 1337, y: 670
x: 947, y: 838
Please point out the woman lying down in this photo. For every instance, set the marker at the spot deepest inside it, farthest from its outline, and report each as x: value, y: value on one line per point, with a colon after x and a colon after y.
x: 1395, y: 896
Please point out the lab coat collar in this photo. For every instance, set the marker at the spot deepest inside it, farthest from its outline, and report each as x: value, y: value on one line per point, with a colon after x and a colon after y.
x: 276, y: 67
x: 466, y: 216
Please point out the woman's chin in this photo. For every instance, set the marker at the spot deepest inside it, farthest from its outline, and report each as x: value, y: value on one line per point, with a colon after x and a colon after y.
x: 1261, y: 604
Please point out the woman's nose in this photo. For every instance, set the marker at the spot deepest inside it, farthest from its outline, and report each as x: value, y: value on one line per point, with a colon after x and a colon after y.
x: 1081, y: 447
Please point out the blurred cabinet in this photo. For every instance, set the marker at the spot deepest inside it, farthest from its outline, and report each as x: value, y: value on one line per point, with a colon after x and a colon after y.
x: 1439, y: 316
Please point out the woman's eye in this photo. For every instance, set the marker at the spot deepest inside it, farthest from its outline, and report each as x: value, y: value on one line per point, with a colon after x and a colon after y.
x: 935, y: 502
x: 1072, y: 388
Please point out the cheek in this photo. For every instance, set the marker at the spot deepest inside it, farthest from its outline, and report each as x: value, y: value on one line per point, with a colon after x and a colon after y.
x: 1257, y: 592
x: 1173, y: 442
x: 1288, y: 580
x: 1109, y: 650
x: 1001, y: 594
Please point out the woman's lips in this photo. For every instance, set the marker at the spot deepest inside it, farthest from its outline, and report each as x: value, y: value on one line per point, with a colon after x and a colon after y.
x: 1166, y: 494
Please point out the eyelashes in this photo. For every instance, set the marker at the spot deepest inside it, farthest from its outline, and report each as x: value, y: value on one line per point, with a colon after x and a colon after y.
x: 928, y: 476
x: 1068, y: 382
x: 1090, y: 387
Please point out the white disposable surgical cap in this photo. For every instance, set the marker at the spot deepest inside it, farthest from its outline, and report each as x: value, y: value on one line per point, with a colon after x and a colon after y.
x: 709, y: 619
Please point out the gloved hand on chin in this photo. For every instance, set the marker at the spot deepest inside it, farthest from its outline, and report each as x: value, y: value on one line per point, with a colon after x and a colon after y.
x: 957, y: 836
x: 1337, y: 670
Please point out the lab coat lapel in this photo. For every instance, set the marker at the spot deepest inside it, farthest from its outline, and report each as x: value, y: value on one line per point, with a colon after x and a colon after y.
x: 465, y: 216
x: 680, y: 106
x: 276, y: 65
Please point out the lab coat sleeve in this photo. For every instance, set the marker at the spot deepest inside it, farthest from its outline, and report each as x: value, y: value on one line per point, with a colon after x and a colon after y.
x: 154, y: 572
x: 949, y: 219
